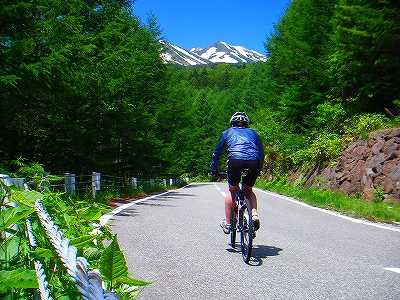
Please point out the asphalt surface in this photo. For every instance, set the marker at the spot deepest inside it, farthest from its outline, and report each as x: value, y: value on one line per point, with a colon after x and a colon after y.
x: 300, y: 252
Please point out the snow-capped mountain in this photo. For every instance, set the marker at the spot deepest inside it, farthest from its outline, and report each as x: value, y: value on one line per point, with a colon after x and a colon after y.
x: 219, y: 52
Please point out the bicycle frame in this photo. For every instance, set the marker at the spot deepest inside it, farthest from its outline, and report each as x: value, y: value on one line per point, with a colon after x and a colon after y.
x: 242, y: 222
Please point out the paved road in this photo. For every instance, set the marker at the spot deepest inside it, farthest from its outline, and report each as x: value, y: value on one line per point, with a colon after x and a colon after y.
x: 175, y: 241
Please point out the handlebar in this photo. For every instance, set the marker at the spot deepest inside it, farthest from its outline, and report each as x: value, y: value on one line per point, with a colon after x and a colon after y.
x: 219, y: 176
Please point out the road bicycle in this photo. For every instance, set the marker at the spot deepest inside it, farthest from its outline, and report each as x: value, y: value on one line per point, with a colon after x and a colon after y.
x: 242, y: 222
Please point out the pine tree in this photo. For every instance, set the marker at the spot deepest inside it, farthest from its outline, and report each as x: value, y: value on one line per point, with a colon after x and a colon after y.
x: 297, y: 52
x: 364, y: 64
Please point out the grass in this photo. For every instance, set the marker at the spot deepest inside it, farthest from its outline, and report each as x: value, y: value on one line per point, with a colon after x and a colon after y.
x: 385, y: 212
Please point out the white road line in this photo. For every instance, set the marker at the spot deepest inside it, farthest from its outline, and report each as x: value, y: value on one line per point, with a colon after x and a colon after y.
x: 219, y: 189
x: 396, y: 270
x: 333, y: 213
x: 104, y: 219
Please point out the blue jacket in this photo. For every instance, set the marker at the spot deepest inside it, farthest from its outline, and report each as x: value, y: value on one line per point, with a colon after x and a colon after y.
x: 242, y: 143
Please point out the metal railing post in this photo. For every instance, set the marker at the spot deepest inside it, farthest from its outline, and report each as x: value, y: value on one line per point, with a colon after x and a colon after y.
x: 96, y: 180
x: 70, y: 183
x: 134, y: 183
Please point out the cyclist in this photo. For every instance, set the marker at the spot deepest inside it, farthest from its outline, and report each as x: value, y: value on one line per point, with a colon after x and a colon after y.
x: 245, y: 150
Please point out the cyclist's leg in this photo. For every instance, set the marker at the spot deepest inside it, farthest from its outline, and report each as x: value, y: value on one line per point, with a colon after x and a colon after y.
x: 249, y: 182
x: 230, y: 202
x: 233, y: 184
x: 249, y: 193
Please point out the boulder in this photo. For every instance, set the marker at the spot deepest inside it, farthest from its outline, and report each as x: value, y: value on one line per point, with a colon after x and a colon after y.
x: 368, y: 165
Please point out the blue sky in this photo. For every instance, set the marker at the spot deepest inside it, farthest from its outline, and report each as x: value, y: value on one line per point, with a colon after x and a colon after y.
x: 189, y: 24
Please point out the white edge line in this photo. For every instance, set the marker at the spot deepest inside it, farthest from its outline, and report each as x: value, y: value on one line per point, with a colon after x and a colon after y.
x: 336, y: 214
x: 219, y: 189
x: 333, y: 213
x: 396, y: 270
x: 104, y: 219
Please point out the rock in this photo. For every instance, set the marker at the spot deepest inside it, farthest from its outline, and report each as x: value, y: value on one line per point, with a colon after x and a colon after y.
x: 394, y: 173
x: 366, y: 165
x: 368, y: 195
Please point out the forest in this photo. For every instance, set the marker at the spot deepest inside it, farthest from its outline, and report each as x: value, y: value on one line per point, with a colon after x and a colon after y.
x: 83, y: 88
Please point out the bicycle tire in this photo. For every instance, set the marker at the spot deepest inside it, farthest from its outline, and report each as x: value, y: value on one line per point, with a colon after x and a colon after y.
x: 246, y: 232
x: 233, y: 231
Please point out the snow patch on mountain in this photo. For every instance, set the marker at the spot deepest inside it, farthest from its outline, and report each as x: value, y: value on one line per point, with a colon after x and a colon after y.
x: 219, y: 52
x: 180, y: 56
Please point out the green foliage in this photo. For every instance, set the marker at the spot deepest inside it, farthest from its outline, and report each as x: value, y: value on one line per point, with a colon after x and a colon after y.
x: 378, y: 194
x: 28, y: 170
x: 327, y: 116
x: 113, y: 268
x: 77, y: 220
x: 321, y: 149
x: 202, y: 102
x: 297, y: 51
x: 329, y: 71
x: 13, y: 215
x: 375, y: 211
x: 363, y: 124
x: 363, y: 60
x: 17, y: 278
x: 80, y: 80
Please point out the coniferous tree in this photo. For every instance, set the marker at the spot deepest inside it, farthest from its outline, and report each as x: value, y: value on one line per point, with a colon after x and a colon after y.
x: 297, y: 51
x: 80, y: 82
x: 364, y: 63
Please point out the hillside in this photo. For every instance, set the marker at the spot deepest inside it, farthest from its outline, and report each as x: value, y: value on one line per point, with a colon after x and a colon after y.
x: 368, y: 168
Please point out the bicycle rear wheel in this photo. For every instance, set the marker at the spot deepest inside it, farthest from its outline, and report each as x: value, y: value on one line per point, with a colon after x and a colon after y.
x: 234, y: 224
x: 246, y: 232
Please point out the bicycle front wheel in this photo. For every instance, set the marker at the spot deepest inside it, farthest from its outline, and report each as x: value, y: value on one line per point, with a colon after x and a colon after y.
x: 246, y: 231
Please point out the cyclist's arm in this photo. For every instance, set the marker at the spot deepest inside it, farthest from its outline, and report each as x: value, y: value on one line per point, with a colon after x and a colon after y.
x: 262, y: 155
x: 217, y: 153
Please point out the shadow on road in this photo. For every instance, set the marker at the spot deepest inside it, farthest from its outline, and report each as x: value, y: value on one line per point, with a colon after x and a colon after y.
x: 260, y: 252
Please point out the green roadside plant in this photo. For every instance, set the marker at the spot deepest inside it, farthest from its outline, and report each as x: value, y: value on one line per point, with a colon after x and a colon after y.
x: 79, y: 221
x: 363, y: 124
x: 377, y: 211
x: 321, y: 149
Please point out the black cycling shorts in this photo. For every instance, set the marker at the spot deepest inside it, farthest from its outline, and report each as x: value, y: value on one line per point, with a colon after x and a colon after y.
x: 235, y: 167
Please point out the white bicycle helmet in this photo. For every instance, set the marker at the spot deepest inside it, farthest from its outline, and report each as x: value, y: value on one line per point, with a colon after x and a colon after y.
x: 240, y: 117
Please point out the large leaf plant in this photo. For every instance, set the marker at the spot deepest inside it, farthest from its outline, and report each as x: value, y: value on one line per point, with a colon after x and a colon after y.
x: 79, y: 221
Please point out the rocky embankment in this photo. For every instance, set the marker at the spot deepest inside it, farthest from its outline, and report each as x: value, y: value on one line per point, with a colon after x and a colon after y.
x: 367, y: 166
